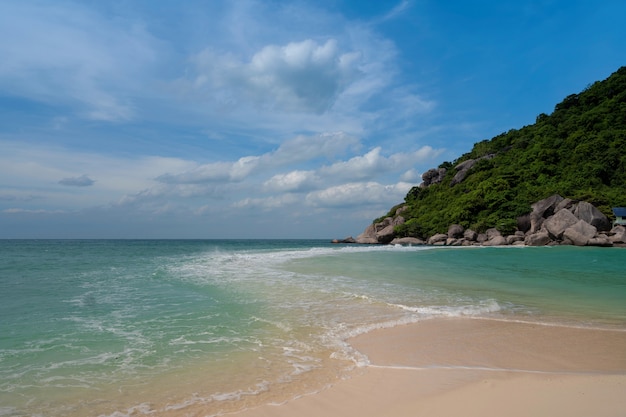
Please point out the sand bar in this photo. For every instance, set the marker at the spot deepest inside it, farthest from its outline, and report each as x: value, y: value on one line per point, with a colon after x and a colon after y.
x: 475, y: 367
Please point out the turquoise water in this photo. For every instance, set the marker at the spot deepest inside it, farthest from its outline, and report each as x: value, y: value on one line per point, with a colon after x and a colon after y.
x: 118, y: 328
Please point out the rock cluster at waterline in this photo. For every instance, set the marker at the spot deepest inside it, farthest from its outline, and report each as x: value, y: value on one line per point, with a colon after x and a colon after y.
x: 553, y: 221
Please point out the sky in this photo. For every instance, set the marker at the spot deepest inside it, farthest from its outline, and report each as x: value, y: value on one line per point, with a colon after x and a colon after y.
x: 267, y: 119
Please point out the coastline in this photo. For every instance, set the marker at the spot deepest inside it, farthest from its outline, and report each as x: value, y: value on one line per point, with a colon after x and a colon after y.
x: 475, y: 367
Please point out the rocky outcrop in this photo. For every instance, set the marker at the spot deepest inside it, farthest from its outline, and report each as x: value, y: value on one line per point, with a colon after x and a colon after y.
x: 553, y: 221
x: 432, y: 176
x: 464, y: 167
x: 590, y: 214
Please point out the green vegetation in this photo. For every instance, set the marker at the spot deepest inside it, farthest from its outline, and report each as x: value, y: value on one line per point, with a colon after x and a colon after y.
x: 578, y: 151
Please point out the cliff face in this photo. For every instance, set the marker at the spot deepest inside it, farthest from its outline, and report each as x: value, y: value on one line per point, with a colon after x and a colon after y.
x: 578, y: 151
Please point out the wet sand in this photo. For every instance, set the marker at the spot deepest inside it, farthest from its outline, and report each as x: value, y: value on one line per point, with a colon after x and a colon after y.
x: 475, y: 367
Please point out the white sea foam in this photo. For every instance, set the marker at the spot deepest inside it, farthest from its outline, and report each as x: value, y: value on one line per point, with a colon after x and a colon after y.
x: 484, y: 307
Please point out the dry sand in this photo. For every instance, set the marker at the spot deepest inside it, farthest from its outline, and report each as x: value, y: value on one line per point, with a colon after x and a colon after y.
x: 476, y: 367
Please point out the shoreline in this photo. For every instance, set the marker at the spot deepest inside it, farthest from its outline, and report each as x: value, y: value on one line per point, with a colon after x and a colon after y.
x: 475, y: 367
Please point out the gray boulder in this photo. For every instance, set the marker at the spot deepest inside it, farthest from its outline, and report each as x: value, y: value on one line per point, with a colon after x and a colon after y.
x: 386, y: 234
x: 470, y: 235
x: 540, y: 238
x: 348, y: 239
x: 512, y: 239
x: 439, y: 238
x: 543, y: 209
x: 557, y: 224
x: 496, y: 241
x: 580, y: 233
x: 407, y: 241
x: 455, y: 231
x: 567, y: 203
x: 432, y: 176
x: 600, y: 240
x: 368, y: 236
x: 401, y: 210
x: 462, y: 170
x: 493, y: 233
x: 618, y: 234
x: 590, y: 214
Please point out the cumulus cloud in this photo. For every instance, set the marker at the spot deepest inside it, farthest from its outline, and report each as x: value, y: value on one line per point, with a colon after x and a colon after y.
x: 307, y: 147
x: 214, y: 172
x: 268, y: 203
x: 356, y: 193
x: 295, y: 181
x: 301, y: 76
x: 299, y: 149
x: 81, y: 181
x: 374, y: 163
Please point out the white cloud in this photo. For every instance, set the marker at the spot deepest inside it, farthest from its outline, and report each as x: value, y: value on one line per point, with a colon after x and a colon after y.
x: 357, y: 193
x: 300, y: 149
x: 215, y: 172
x: 295, y: 181
x: 411, y: 175
x: 301, y: 76
x: 268, y: 203
x: 308, y: 147
x: 374, y: 164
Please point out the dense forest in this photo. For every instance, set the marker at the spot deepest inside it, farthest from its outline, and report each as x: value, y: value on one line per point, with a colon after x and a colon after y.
x: 578, y: 151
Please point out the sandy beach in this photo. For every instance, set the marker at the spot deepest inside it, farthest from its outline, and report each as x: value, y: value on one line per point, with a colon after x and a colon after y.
x: 475, y: 367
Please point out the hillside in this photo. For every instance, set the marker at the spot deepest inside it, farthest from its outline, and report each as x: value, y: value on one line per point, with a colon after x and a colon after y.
x: 578, y: 151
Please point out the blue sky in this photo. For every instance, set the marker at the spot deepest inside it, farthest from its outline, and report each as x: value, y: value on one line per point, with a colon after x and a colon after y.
x: 277, y: 119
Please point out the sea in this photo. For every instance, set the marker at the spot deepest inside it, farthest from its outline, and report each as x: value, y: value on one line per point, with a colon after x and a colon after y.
x: 119, y: 328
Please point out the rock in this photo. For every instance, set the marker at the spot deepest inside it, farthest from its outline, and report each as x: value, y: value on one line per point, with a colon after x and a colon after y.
x: 557, y: 224
x: 438, y: 238
x: 567, y: 203
x: 432, y: 176
x: 590, y: 214
x: 368, y: 236
x: 464, y: 167
x: 496, y: 241
x: 462, y: 170
x: 580, y: 233
x: 542, y: 209
x: 385, y: 235
x: 493, y: 233
x: 512, y: 239
x: 600, y: 240
x: 397, y: 221
x: 367, y: 240
x: 401, y: 210
x: 348, y: 239
x: 455, y: 231
x: 481, y: 238
x: 540, y: 238
x: 470, y: 235
x: 523, y: 223
x: 618, y: 234
x: 407, y: 241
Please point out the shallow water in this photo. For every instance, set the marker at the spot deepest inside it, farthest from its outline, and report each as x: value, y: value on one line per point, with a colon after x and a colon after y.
x: 120, y: 328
